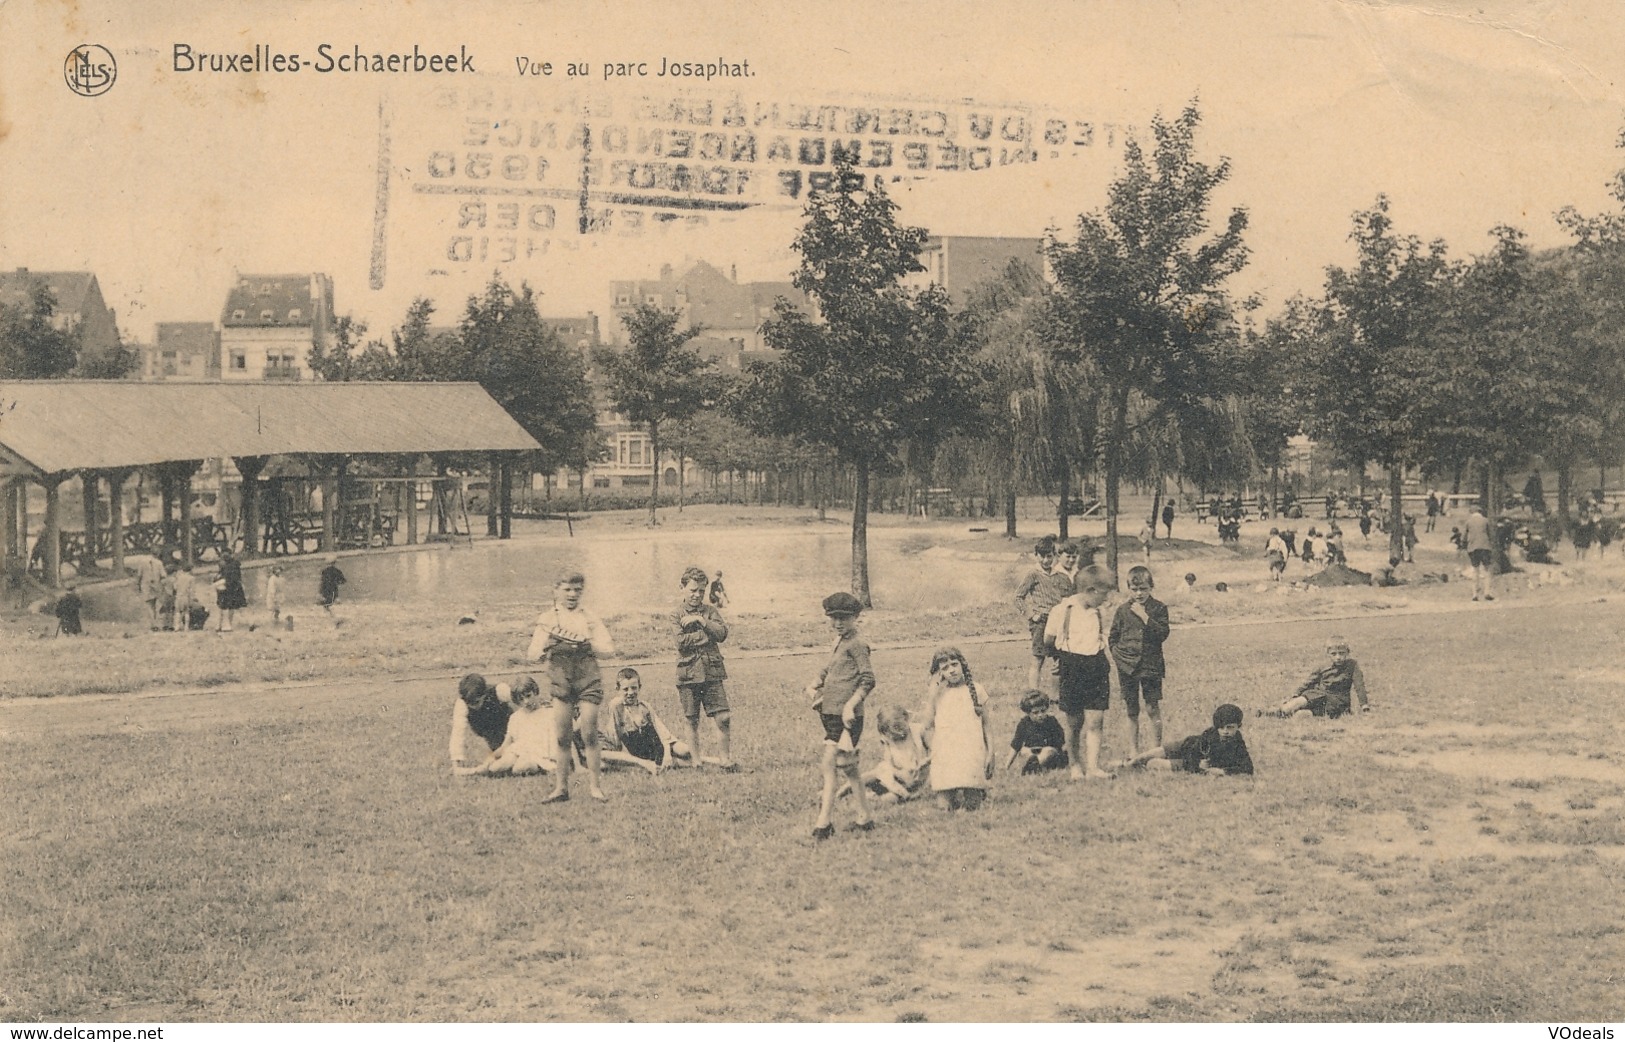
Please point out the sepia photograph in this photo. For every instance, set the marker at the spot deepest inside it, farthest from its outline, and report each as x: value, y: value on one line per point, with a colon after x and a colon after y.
x: 700, y: 513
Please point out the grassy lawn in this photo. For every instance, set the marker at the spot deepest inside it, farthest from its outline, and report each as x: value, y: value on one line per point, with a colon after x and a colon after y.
x: 303, y: 854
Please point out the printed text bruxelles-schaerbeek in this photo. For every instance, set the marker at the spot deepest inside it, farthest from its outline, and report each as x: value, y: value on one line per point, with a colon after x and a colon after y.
x: 263, y: 58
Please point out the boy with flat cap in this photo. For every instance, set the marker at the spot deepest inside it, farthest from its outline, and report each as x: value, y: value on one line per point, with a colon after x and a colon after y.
x: 837, y: 697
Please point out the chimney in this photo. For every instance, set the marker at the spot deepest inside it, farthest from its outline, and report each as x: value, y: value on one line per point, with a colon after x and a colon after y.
x: 733, y: 272
x: 665, y: 273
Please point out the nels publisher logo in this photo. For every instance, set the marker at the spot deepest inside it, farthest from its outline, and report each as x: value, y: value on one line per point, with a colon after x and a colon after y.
x: 90, y: 70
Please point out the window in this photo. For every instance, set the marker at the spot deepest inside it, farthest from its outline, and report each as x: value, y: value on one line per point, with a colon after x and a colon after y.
x: 651, y: 298
x: 239, y: 315
x: 265, y: 315
x: 598, y: 482
x: 239, y: 361
x: 623, y: 299
x: 295, y: 315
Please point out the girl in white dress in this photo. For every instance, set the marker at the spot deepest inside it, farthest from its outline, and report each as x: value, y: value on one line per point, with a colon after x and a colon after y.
x: 955, y: 728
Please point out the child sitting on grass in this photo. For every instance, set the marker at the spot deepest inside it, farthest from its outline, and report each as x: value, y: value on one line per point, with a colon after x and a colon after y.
x: 901, y: 773
x: 632, y: 733
x: 1330, y: 690
x: 1039, y: 743
x: 1220, y: 750
x: 528, y: 747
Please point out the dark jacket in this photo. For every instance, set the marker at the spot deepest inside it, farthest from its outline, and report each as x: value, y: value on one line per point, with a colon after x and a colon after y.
x: 1229, y: 756
x: 699, y: 660
x: 1137, y: 646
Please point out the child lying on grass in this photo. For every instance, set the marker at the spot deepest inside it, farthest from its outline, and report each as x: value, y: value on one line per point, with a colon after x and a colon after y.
x: 1330, y: 690
x: 481, y: 709
x: 1220, y: 750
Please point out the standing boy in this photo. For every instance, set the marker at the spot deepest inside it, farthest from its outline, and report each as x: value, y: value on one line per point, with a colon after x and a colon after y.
x: 1480, y: 544
x: 1076, y: 635
x: 1138, y: 631
x: 570, y: 640
x: 1041, y: 591
x: 699, y: 629
x: 838, y: 695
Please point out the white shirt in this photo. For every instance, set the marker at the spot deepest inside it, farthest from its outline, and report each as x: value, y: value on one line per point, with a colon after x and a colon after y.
x: 1076, y: 628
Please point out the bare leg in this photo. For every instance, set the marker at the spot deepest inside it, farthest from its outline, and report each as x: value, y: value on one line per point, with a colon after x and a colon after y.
x: 563, y: 731
x: 589, y: 732
x: 1153, y: 711
x: 1023, y: 758
x: 724, y: 722
x: 860, y: 792
x: 1074, y: 726
x: 827, y: 804
x: 694, y: 735
x: 1093, y: 721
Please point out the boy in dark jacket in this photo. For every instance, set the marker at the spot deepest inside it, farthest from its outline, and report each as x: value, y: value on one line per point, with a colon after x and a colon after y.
x: 1220, y: 750
x: 1138, y: 631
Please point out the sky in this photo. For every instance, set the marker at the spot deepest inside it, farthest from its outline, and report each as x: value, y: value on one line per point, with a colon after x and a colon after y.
x: 171, y: 182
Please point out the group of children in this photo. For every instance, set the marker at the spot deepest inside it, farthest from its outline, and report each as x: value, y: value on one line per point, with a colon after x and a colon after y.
x: 577, y: 728
x: 946, y: 746
x: 178, y: 595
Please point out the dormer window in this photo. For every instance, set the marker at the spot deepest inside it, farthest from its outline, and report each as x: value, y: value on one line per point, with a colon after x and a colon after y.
x: 265, y: 315
x: 295, y: 315
x: 265, y: 287
x: 239, y: 315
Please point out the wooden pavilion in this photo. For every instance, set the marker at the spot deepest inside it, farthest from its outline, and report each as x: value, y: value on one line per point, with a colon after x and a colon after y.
x: 105, y: 430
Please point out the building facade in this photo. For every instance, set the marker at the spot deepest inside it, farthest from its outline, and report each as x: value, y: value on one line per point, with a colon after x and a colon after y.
x: 271, y: 322
x: 80, y: 307
x: 959, y: 263
x: 182, y: 351
x: 730, y: 312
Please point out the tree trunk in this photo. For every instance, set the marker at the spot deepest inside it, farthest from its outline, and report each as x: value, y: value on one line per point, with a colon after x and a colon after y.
x: 1484, y: 490
x: 1564, y: 490
x: 1111, y: 454
x: 505, y: 469
x: 1010, y: 511
x: 115, y: 495
x: 654, y: 472
x: 1396, y: 511
x: 860, y: 537
x: 493, y: 501
x: 250, y: 467
x: 90, y: 481
x: 1156, y: 507
x: 1065, y: 478
x: 681, y: 478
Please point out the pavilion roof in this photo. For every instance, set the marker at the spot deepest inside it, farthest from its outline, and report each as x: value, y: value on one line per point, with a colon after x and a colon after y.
x: 51, y: 426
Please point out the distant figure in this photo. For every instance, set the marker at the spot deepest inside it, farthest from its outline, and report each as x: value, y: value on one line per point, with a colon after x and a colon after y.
x: 1479, y: 542
x: 1407, y: 537
x: 718, y: 596
x: 273, y: 592
x: 331, y: 580
x: 1534, y: 493
x: 231, y: 595
x: 1168, y: 519
x: 1190, y: 581
x: 1148, y: 532
x: 67, y: 609
x: 149, y: 584
x: 1435, y: 508
x: 1275, y: 554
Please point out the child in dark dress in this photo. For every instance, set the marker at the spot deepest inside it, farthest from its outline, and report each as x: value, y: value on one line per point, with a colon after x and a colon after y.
x: 1039, y: 743
x: 67, y: 609
x: 1220, y: 750
x: 331, y: 580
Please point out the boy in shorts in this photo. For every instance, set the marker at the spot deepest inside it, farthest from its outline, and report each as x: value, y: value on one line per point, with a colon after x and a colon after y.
x: 633, y: 732
x: 1220, y: 750
x: 1076, y: 635
x: 570, y: 640
x: 837, y: 697
x: 1138, y: 631
x: 699, y: 628
x: 1331, y: 690
x: 1038, y: 593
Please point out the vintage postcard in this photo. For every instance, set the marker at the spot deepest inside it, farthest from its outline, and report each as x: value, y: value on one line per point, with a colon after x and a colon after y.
x: 263, y: 226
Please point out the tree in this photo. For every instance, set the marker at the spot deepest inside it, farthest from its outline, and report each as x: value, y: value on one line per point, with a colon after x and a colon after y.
x: 658, y: 379
x: 1371, y: 364
x: 879, y: 367
x: 1139, y: 292
x: 31, y: 347
x: 542, y: 383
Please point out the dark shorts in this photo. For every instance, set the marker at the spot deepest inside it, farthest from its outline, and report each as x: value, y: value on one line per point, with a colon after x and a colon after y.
x: 1037, y: 631
x: 1481, y: 558
x: 1277, y: 562
x: 576, y: 677
x: 709, y: 694
x: 1331, y: 706
x: 1086, y: 683
x: 1057, y: 763
x: 833, y: 727
x: 645, y: 744
x: 1135, y: 688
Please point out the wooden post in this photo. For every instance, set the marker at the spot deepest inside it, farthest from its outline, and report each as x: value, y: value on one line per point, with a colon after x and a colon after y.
x: 505, y: 468
x: 51, y: 535
x: 115, y: 497
x: 249, y: 512
x: 8, y: 526
x: 492, y: 500
x: 183, y: 492
x: 411, y: 511
x: 330, y: 508
x: 91, y: 483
